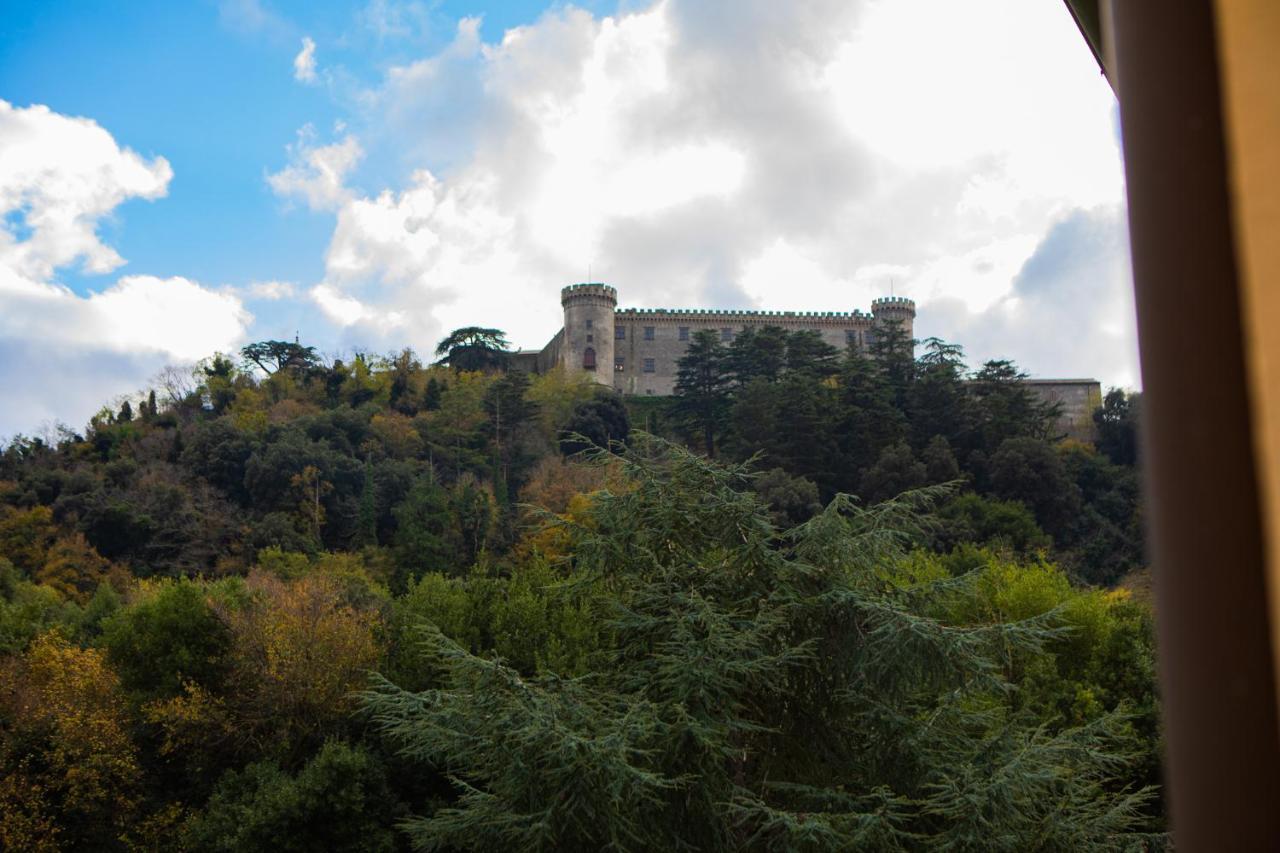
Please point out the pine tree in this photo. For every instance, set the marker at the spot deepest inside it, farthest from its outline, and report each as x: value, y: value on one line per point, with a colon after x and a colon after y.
x: 702, y: 393
x: 762, y: 691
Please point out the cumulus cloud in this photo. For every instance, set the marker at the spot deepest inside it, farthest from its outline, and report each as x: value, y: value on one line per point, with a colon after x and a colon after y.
x: 304, y: 64
x: 316, y: 173
x: 59, y: 177
x: 785, y: 156
x: 1070, y: 309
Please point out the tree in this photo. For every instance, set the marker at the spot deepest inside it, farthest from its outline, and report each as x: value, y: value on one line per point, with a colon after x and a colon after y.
x: 702, y: 395
x: 340, y: 800
x: 311, y: 487
x: 868, y: 421
x: 71, y: 773
x: 810, y: 355
x: 73, y: 568
x: 937, y: 402
x: 939, y: 462
x: 1031, y: 471
x: 756, y: 354
x: 895, y: 472
x: 971, y: 518
x: 600, y: 420
x: 1006, y: 408
x: 1117, y: 424
x: 299, y: 650
x: 404, y: 366
x: 367, y: 520
x: 893, y: 355
x: 509, y: 413
x: 424, y: 535
x: 274, y: 356
x: 791, y: 500
x: 26, y: 536
x: 758, y: 697
x: 474, y: 348
x: 171, y: 636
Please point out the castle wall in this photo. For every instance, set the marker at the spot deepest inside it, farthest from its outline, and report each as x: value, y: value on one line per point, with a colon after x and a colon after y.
x: 636, y: 350
x: 1078, y: 398
x: 633, y: 349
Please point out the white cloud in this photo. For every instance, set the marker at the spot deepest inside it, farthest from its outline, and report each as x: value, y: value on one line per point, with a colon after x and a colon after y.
x: 304, y: 64
x: 271, y: 291
x: 804, y: 156
x: 174, y: 316
x: 59, y: 177
x: 316, y: 174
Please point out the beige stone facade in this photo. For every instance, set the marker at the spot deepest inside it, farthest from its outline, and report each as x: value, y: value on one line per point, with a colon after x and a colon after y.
x: 1078, y: 399
x: 635, y: 350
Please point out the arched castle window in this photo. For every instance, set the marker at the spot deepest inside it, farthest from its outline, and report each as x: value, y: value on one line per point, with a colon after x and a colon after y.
x: 589, y: 359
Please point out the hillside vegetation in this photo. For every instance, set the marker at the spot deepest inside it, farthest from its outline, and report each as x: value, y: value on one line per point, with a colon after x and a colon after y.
x: 282, y: 603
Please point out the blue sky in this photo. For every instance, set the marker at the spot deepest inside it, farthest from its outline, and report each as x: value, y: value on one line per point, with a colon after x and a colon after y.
x: 180, y: 178
x: 208, y: 86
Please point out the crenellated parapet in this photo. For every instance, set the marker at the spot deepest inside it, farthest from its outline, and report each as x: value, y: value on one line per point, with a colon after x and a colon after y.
x: 587, y: 293
x: 895, y: 309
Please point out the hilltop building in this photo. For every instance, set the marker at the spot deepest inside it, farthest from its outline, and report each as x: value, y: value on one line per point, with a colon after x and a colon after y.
x: 635, y: 350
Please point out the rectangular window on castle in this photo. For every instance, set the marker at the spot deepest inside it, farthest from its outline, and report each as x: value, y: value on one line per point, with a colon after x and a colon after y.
x: 619, y: 364
x: 726, y: 335
x: 648, y: 333
x: 684, y: 333
x: 589, y: 323
x: 619, y: 333
x: 648, y: 365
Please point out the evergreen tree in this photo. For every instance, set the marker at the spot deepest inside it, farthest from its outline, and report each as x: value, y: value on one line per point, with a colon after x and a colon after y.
x: 808, y: 354
x: 758, y: 695
x: 937, y: 402
x: 474, y: 348
x: 893, y: 354
x: 756, y: 354
x: 1116, y: 422
x: 1006, y: 408
x: 434, y: 391
x: 868, y: 420
x: 600, y: 420
x: 702, y: 393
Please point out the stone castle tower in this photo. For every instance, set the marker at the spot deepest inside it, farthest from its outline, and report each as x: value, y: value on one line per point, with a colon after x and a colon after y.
x: 635, y: 350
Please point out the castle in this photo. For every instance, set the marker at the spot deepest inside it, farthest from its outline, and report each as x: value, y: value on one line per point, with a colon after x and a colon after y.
x: 635, y: 350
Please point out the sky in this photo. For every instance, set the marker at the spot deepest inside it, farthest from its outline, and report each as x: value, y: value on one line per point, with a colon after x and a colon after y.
x: 178, y: 179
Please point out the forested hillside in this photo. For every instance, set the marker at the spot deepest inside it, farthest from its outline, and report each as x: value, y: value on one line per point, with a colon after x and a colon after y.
x: 289, y: 603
